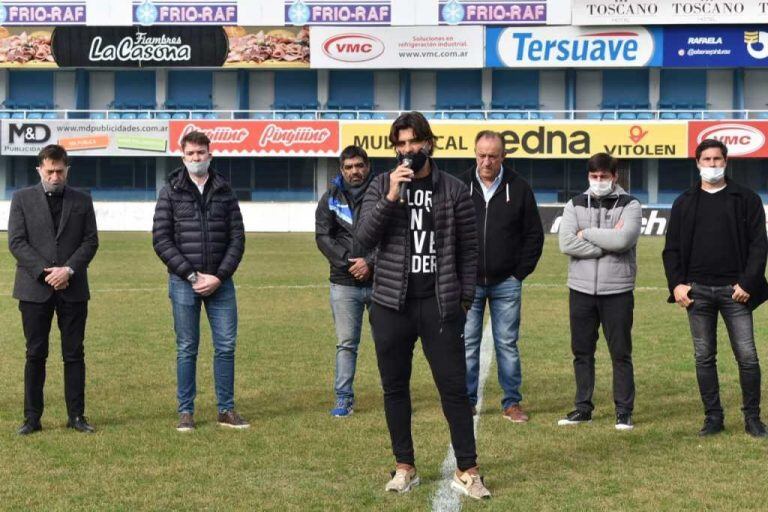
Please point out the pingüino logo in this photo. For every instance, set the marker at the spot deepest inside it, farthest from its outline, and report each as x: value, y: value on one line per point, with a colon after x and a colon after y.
x: 540, y: 141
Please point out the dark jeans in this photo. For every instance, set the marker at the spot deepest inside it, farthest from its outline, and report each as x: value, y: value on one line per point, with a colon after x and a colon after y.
x: 394, y: 334
x: 36, y: 319
x: 615, y: 313
x: 702, y: 317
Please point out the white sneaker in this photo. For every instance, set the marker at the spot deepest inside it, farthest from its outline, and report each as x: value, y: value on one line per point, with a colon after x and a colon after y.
x: 470, y: 485
x: 403, y: 480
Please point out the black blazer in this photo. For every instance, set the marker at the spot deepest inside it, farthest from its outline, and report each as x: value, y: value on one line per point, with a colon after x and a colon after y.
x: 35, y: 246
x: 747, y: 219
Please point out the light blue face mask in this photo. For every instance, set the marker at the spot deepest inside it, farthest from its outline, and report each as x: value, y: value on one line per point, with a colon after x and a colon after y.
x: 600, y: 188
x: 199, y: 169
x: 711, y: 174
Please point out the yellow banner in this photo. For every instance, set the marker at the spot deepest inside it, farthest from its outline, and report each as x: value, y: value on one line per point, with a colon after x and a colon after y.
x: 545, y: 139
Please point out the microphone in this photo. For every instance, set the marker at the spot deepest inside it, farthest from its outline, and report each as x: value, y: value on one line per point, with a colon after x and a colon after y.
x: 404, y: 184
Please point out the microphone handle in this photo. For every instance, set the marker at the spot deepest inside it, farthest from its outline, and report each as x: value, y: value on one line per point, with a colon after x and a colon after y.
x: 403, y: 192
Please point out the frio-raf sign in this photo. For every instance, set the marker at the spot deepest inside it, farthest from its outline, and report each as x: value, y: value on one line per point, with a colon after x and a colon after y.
x: 184, y: 12
x: 668, y: 12
x: 139, y: 46
x: 557, y: 47
x: 338, y: 12
x: 492, y: 12
x: 14, y: 12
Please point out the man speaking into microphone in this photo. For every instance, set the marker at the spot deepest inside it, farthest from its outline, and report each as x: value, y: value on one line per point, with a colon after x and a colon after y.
x: 424, y: 284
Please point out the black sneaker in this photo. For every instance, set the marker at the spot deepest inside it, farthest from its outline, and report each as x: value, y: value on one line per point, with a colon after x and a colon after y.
x: 29, y: 427
x: 80, y: 423
x: 755, y: 427
x: 712, y: 425
x: 576, y: 418
x: 624, y: 421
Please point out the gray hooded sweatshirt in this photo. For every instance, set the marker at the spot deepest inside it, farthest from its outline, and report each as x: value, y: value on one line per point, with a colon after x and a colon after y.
x: 603, y: 262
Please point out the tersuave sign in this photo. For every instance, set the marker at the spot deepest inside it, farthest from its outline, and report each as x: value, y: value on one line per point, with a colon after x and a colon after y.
x: 560, y: 47
x: 155, y: 46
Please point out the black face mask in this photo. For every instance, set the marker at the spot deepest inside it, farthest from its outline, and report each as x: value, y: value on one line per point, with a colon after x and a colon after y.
x: 418, y: 159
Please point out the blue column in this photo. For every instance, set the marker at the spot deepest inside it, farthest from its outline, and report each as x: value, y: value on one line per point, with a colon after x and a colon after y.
x: 82, y: 91
x: 738, y: 92
x: 570, y: 91
x: 405, y: 90
x: 243, y: 92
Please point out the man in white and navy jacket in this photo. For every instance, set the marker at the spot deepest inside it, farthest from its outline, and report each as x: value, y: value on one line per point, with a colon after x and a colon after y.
x: 599, y: 231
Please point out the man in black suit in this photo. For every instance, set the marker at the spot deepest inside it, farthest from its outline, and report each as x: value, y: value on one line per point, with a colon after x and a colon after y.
x: 52, y: 234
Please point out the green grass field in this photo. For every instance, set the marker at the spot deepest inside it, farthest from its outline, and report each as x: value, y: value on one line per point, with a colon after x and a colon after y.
x: 296, y: 457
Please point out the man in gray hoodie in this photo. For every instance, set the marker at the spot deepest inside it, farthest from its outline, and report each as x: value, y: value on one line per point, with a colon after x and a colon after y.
x: 599, y: 232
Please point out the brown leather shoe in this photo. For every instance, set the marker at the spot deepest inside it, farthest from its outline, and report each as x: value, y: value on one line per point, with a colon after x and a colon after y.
x: 232, y: 420
x: 515, y: 414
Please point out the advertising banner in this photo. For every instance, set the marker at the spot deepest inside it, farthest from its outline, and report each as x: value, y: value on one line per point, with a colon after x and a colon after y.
x: 184, y: 12
x: 156, y: 46
x: 64, y: 12
x: 262, y: 138
x: 713, y: 46
x: 575, y: 47
x: 85, y: 137
x: 668, y: 12
x: 26, y: 47
x: 492, y: 12
x: 338, y: 12
x: 744, y: 139
x: 549, y: 139
x: 397, y: 47
x: 267, y: 47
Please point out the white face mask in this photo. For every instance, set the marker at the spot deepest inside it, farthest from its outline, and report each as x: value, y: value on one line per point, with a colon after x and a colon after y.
x: 712, y: 174
x: 199, y: 169
x: 600, y: 188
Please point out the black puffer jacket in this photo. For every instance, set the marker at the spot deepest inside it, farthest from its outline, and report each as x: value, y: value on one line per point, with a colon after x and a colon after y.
x: 336, y: 218
x: 192, y: 233
x: 385, y: 224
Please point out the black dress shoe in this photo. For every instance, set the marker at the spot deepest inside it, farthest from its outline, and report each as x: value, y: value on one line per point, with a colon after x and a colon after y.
x: 29, y: 427
x: 80, y: 423
x: 755, y: 427
x: 712, y: 426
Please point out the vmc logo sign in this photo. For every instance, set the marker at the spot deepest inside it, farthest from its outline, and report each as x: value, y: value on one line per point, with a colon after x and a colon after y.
x: 558, y: 47
x: 353, y: 47
x: 745, y: 139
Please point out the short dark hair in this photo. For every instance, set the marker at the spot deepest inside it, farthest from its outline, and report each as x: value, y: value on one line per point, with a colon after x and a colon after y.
x: 54, y: 153
x: 490, y: 134
x: 418, y: 123
x: 353, y: 152
x: 708, y: 144
x: 602, y: 162
x: 196, y: 137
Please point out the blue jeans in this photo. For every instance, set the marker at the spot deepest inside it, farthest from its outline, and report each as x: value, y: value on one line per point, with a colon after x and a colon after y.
x: 347, y: 304
x: 504, y: 299
x: 221, y: 308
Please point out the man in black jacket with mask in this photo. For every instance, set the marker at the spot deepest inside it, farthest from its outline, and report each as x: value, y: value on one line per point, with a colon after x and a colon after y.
x: 336, y: 218
x: 511, y: 240
x: 426, y: 267
x: 198, y: 233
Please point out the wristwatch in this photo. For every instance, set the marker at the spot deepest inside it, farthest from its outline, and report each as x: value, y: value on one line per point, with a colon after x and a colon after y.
x: 192, y: 278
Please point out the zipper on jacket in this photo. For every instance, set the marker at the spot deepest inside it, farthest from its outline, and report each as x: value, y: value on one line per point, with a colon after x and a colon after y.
x: 204, y: 222
x: 597, y: 260
x: 485, y: 244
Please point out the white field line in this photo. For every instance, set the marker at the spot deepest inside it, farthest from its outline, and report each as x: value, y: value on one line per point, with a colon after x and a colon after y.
x: 446, y: 499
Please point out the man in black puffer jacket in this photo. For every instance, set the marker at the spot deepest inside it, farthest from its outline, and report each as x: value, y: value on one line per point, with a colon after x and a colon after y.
x: 426, y: 268
x: 198, y: 233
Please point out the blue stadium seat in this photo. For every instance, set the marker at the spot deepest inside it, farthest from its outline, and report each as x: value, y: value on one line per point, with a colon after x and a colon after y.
x: 627, y: 115
x: 715, y: 115
x: 364, y: 115
x: 97, y: 115
x: 667, y: 115
x: 477, y: 116
x: 534, y: 115
x: 50, y: 115
x: 595, y: 115
x: 379, y: 115
x: 645, y: 115
x: 608, y: 116
x: 261, y: 115
x: 210, y: 115
x: 5, y: 115
x: 17, y: 115
x: 546, y: 115
x: 113, y: 115
x: 197, y: 115
x: 292, y: 116
x: 308, y: 115
x: 179, y: 115
x: 143, y: 115
x: 35, y: 115
x: 329, y: 115
x: 163, y: 115
x: 347, y: 115
x: 128, y: 115
x: 759, y: 115
x: 515, y: 115
x: 496, y: 115
x: 458, y: 115
x: 279, y: 115
x: 685, y: 115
